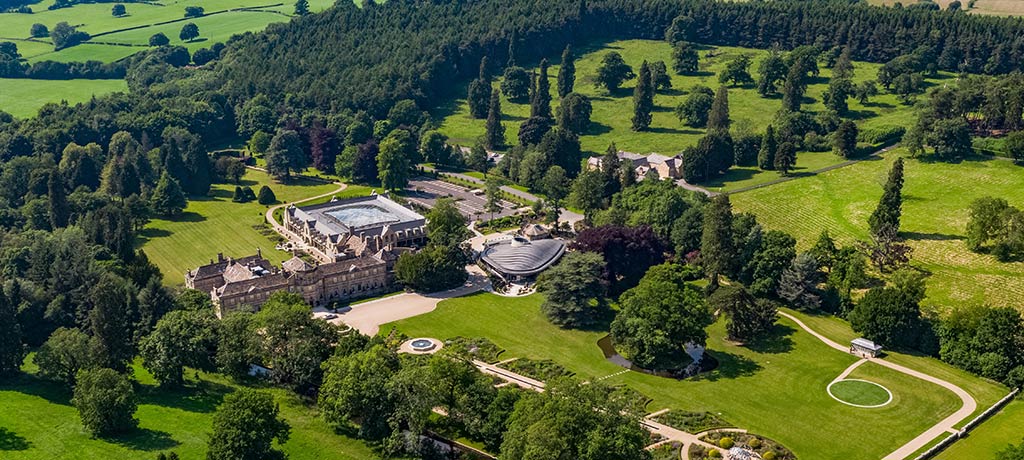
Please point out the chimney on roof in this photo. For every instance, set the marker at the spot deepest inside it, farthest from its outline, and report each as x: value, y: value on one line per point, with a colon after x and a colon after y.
x: 220, y: 257
x: 259, y: 252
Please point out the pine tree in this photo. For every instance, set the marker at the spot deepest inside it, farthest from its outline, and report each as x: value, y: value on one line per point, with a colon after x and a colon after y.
x: 59, y: 211
x: 302, y: 7
x: 885, y: 220
x: 512, y: 49
x: 168, y: 199
x: 541, y: 103
x: 716, y: 245
x: 766, y: 156
x: 718, y: 117
x: 197, y: 165
x: 793, y: 89
x: 844, y: 66
x: 844, y: 139
x: 785, y: 158
x: 12, y: 351
x: 480, y: 92
x: 643, y: 99
x: 495, y: 136
x: 567, y: 72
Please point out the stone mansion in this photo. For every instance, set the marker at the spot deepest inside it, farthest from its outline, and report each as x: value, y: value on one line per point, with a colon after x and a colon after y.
x: 357, y: 241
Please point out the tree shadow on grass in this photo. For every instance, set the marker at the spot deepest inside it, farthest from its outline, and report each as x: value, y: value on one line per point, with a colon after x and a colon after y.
x: 921, y: 236
x: 145, y: 439
x: 10, y: 440
x: 776, y: 341
x: 730, y: 366
x: 29, y: 384
x: 188, y: 216
x: 667, y: 130
x: 202, y: 396
x: 733, y: 175
x: 597, y: 129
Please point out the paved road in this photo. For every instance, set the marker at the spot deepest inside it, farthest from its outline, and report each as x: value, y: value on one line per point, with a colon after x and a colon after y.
x: 564, y: 215
x: 948, y: 424
x: 367, y: 317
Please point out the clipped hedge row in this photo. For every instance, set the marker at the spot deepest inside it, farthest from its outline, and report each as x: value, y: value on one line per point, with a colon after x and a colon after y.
x: 881, y: 134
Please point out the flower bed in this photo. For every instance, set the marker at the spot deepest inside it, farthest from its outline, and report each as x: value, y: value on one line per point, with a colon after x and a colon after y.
x: 667, y: 451
x: 473, y: 348
x: 540, y: 369
x: 766, y: 448
x: 692, y: 422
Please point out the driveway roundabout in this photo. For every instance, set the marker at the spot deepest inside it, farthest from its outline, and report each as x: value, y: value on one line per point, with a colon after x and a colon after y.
x: 860, y: 393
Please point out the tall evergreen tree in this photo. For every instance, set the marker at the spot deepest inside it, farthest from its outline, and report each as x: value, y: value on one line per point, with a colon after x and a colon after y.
x: 716, y: 245
x: 844, y: 66
x: 766, y: 156
x: 844, y: 139
x: 567, y: 72
x: 540, y: 103
x: 480, y: 92
x: 197, y: 164
x: 110, y: 321
x: 168, y: 199
x: 793, y: 89
x: 885, y: 220
x: 512, y: 43
x: 718, y: 117
x: 785, y: 158
x: 643, y: 99
x: 495, y: 136
x: 12, y: 350
x: 59, y: 210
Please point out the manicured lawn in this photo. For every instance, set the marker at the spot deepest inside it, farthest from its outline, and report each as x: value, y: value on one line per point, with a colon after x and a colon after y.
x: 217, y: 225
x: 1004, y: 428
x: 23, y: 98
x: 612, y: 112
x: 776, y: 389
x: 864, y: 393
x: 40, y: 424
x: 935, y: 213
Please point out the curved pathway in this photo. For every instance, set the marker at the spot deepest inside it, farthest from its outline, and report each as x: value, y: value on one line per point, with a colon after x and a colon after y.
x: 948, y: 424
x: 280, y: 228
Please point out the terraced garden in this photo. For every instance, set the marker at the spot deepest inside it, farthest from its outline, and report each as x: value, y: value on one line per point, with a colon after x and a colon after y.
x: 777, y: 390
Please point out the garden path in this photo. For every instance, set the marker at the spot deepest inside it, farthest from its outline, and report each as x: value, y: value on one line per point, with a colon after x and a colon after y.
x: 968, y: 406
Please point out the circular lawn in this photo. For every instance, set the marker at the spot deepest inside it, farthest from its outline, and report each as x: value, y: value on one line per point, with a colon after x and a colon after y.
x: 860, y: 393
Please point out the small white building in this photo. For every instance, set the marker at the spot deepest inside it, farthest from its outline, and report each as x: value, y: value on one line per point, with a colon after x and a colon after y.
x: 865, y: 348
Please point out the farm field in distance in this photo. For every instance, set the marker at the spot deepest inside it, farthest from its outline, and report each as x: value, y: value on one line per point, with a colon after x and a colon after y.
x: 766, y: 390
x: 935, y: 212
x: 610, y: 121
x: 23, y: 97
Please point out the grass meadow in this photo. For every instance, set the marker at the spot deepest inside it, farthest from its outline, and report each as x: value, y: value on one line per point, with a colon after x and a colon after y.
x: 23, y: 97
x: 612, y: 112
x: 775, y: 388
x: 215, y: 224
x: 935, y: 213
x: 39, y: 422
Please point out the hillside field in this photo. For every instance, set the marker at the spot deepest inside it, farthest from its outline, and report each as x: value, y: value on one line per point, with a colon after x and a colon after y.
x: 23, y: 97
x: 935, y: 213
x: 610, y: 121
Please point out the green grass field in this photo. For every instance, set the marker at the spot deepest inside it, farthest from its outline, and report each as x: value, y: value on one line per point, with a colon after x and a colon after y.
x: 23, y: 98
x: 39, y: 423
x: 935, y: 214
x: 612, y: 113
x: 864, y: 393
x: 993, y: 435
x: 218, y: 225
x: 776, y: 389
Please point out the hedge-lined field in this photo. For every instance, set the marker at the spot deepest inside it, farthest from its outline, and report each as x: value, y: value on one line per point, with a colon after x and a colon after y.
x: 935, y: 213
x: 23, y: 98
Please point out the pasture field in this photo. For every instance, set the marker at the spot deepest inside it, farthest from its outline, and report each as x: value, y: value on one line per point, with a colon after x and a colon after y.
x: 215, y: 224
x: 39, y: 423
x: 935, y: 213
x: 612, y: 112
x: 775, y: 388
x: 986, y: 7
x: 23, y: 97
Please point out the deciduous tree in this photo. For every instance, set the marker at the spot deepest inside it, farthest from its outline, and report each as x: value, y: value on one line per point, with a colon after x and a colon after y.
x: 66, y: 352
x: 574, y: 290
x: 245, y: 427
x: 105, y: 401
x: 612, y: 72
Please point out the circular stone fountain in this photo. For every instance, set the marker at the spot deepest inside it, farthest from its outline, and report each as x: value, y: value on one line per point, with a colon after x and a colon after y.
x: 422, y: 345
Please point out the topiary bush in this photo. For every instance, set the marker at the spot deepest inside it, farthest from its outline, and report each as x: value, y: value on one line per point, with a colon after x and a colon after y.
x: 726, y: 443
x: 754, y: 443
x: 714, y: 454
x: 770, y: 455
x: 267, y: 196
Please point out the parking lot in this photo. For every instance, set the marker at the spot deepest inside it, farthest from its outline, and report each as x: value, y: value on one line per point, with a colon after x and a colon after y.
x: 427, y: 191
